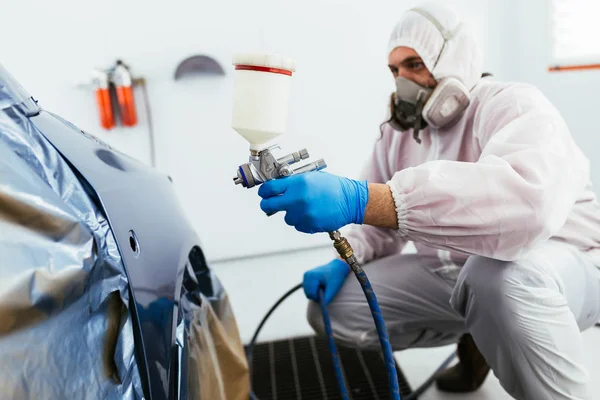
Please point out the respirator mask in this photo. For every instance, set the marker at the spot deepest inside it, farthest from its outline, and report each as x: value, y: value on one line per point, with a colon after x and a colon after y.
x: 415, y: 106
x: 406, y: 106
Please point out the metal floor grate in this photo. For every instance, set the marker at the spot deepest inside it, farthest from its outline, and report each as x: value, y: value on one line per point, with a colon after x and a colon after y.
x: 301, y: 369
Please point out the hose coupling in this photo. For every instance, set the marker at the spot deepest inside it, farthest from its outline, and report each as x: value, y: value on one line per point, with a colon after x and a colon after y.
x: 341, y: 245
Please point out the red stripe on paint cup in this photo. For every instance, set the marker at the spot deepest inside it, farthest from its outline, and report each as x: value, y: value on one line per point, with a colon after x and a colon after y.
x: 263, y: 69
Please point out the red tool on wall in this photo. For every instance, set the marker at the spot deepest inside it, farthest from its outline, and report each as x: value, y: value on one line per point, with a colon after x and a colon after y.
x: 101, y: 81
x: 123, y: 84
x: 114, y: 96
x: 115, y: 99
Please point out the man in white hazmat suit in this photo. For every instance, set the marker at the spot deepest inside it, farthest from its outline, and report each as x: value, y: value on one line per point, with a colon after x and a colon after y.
x: 486, y: 180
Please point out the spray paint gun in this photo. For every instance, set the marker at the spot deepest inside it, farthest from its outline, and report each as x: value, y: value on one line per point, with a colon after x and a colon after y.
x: 260, y: 108
x: 262, y: 91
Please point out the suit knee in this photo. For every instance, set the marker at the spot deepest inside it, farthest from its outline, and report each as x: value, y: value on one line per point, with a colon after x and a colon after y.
x: 499, y: 286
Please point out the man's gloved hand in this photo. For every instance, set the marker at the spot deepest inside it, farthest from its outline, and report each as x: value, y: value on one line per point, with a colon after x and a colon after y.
x: 330, y: 276
x: 316, y: 201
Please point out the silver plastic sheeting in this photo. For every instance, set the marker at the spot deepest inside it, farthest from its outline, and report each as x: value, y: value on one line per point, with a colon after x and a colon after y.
x: 65, y: 329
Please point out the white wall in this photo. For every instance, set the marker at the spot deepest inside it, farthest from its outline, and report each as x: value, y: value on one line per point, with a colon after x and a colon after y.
x: 338, y: 100
x: 576, y: 94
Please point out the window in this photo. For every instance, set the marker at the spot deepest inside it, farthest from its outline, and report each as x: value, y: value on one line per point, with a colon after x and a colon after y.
x: 575, y: 33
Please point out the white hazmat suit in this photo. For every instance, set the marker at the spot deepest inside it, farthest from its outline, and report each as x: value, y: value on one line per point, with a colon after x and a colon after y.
x: 506, y: 225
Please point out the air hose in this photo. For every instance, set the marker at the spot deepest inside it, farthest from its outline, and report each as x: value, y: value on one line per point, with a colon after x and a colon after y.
x: 335, y: 357
x: 345, y: 251
x: 337, y: 365
x: 331, y: 343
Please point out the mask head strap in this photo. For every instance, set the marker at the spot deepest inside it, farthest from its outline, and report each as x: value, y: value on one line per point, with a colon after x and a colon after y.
x: 446, y: 34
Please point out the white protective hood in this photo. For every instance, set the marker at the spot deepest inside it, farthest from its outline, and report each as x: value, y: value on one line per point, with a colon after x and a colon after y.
x: 430, y: 29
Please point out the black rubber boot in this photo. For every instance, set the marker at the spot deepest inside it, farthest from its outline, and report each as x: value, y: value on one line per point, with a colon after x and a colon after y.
x: 470, y: 372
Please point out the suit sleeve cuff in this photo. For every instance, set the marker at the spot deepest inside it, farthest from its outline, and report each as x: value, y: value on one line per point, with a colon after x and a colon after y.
x: 401, y: 209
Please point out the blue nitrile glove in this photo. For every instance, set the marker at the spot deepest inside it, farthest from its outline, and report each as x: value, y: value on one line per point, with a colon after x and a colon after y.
x: 316, y: 201
x: 330, y: 276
